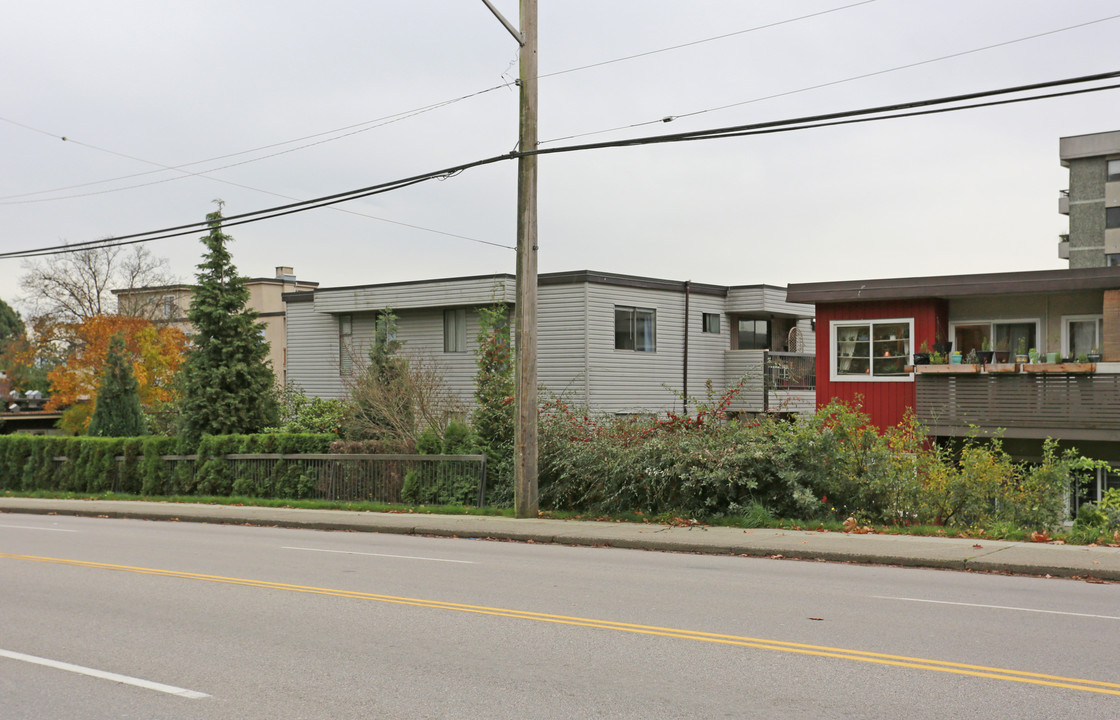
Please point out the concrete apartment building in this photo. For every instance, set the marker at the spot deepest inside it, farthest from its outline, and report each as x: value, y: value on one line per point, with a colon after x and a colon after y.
x: 1092, y: 201
x: 168, y: 304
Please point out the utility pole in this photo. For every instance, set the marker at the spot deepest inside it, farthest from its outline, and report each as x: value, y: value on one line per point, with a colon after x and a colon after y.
x: 525, y: 309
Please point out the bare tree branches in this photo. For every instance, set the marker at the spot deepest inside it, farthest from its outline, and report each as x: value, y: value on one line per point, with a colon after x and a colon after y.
x: 78, y: 285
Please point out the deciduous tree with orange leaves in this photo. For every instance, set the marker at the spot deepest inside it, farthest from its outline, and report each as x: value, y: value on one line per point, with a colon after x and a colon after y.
x: 154, y: 352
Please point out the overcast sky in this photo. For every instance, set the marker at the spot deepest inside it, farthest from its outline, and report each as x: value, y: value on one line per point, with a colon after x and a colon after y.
x: 139, y: 85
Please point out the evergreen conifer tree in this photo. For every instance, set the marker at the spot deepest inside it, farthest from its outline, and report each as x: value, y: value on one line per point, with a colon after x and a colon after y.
x: 228, y: 385
x: 118, y: 413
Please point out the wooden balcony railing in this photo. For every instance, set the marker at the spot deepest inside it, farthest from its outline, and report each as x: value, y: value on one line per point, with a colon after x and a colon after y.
x: 1023, y: 405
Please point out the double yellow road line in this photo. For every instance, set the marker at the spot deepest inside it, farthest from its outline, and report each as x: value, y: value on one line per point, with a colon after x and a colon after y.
x: 993, y: 673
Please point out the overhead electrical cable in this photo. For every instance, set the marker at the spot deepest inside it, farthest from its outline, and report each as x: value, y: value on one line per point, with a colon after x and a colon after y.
x: 380, y: 122
x: 362, y: 127
x: 874, y: 114
x: 831, y: 83
x: 705, y: 40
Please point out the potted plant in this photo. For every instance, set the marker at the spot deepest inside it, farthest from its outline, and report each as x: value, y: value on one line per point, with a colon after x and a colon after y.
x: 923, y: 357
x: 985, y: 354
x: 973, y: 358
x: 1052, y: 357
x: 955, y: 357
x: 1033, y: 355
x: 1021, y: 351
x: 940, y: 346
x: 1094, y: 355
x: 1002, y: 354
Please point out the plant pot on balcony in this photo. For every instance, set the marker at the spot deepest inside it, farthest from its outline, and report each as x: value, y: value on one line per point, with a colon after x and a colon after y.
x: 1093, y: 357
x: 943, y: 347
x: 985, y: 357
x: 1002, y: 356
x: 1051, y: 357
x: 1022, y: 359
x: 921, y: 358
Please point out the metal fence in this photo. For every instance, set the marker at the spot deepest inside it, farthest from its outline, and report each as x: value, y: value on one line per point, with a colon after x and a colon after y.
x: 791, y: 371
x: 404, y: 479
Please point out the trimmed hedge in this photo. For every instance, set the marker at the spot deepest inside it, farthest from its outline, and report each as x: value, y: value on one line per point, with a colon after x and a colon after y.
x: 27, y: 462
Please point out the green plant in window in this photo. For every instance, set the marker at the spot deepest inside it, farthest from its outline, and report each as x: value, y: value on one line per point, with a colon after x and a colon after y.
x: 971, y: 358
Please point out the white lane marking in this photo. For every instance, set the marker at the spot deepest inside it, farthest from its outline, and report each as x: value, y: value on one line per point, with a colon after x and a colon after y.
x: 999, y: 607
x: 147, y: 684
x: 399, y: 557
x: 28, y: 527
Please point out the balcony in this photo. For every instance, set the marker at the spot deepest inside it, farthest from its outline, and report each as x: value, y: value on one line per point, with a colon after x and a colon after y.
x: 1063, y: 202
x: 1043, y: 402
x: 776, y: 382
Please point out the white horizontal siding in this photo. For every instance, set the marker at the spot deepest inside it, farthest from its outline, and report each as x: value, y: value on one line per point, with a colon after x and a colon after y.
x: 434, y: 294
x: 624, y: 381
x: 765, y: 299
x: 562, y: 342
x: 312, y: 341
x: 705, y: 350
x: 746, y: 365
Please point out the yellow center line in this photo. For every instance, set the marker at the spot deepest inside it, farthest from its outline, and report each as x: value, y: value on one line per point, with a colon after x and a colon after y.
x: 1096, y: 686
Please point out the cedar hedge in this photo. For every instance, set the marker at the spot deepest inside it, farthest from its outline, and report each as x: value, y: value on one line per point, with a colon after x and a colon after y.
x: 150, y: 465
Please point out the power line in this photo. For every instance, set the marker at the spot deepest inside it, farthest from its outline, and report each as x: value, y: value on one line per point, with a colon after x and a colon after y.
x: 897, y: 110
x: 362, y: 127
x: 381, y: 122
x: 669, y: 118
x: 705, y: 40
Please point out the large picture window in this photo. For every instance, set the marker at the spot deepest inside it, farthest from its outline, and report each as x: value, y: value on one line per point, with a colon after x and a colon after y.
x: 635, y: 329
x: 871, y: 349
x: 1001, y: 336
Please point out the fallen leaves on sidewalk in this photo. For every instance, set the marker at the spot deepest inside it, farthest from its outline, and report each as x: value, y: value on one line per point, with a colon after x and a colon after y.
x: 852, y: 526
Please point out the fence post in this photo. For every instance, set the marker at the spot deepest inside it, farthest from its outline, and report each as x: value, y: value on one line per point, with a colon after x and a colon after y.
x: 482, y: 484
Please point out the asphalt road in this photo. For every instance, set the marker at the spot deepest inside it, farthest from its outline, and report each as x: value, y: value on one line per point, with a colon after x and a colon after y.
x: 207, y: 621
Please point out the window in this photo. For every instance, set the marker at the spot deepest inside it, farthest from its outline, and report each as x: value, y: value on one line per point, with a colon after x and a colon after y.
x: 1002, y: 336
x: 752, y: 334
x: 871, y: 349
x: 345, y: 345
x: 168, y: 306
x: 1081, y: 334
x: 711, y: 323
x: 455, y: 330
x: 635, y: 329
x: 1112, y: 217
x: 1113, y: 170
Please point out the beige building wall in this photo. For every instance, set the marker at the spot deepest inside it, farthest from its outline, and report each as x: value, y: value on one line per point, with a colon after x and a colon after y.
x: 169, y: 304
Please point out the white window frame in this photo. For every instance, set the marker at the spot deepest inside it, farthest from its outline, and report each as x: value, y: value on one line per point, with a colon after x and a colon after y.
x: 833, y: 371
x: 1099, y: 332
x: 455, y: 330
x: 991, y: 331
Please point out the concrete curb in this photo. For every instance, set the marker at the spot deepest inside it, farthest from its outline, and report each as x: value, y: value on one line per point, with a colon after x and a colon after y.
x: 1072, y: 561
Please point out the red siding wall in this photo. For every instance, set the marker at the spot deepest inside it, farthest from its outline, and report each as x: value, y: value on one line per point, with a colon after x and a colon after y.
x: 884, y: 402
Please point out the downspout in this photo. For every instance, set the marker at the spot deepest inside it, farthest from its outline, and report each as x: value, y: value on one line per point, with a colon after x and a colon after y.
x: 687, y: 298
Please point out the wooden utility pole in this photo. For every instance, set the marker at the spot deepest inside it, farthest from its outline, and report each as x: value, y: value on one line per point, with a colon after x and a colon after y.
x: 525, y: 310
x: 525, y: 434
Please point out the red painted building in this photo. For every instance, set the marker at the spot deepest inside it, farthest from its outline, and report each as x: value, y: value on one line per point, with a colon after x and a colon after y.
x: 868, y: 331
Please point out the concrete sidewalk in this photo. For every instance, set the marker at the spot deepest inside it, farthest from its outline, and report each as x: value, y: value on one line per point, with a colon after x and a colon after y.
x: 1075, y: 561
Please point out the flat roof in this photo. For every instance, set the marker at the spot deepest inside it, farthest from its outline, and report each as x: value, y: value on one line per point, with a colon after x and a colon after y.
x: 957, y: 286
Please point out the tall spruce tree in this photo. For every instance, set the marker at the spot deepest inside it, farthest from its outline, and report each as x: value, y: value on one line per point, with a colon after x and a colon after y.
x: 228, y: 385
x: 118, y: 413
